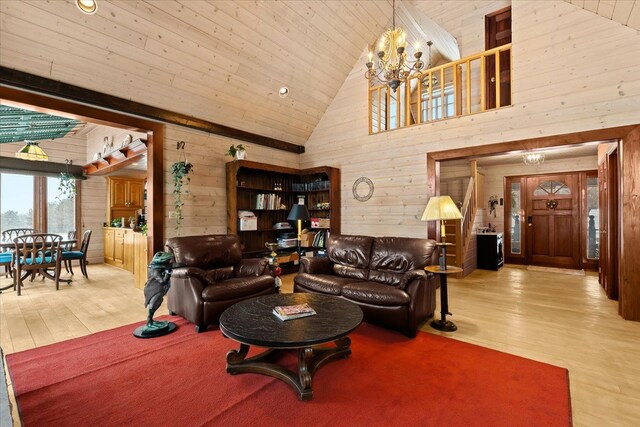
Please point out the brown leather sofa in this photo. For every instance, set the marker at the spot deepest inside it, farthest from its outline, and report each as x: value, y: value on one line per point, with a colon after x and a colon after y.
x: 383, y: 275
x: 214, y: 277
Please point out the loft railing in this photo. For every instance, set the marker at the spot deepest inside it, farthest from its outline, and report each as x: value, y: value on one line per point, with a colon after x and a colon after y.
x: 459, y: 88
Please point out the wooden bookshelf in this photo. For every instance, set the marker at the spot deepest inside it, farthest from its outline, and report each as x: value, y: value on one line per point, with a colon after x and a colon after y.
x: 247, y: 179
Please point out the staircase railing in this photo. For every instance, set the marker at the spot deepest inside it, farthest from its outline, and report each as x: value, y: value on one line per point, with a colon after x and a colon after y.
x: 464, y: 227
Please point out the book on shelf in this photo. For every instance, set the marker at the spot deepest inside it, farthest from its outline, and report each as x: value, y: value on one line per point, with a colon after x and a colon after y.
x: 289, y: 312
x: 268, y: 201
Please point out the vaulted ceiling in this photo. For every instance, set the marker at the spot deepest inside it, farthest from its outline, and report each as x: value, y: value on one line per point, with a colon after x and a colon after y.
x: 222, y: 61
x: 625, y: 12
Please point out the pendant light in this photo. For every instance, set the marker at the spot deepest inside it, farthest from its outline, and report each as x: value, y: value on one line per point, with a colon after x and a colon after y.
x: 32, y: 151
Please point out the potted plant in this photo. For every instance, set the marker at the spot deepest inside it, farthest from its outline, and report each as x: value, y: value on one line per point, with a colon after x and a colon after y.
x: 67, y: 187
x: 238, y: 152
x: 180, y: 172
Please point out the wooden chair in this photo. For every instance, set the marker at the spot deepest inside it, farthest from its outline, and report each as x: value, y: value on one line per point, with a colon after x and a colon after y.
x: 5, y: 254
x: 36, y: 253
x: 68, y: 247
x: 81, y: 255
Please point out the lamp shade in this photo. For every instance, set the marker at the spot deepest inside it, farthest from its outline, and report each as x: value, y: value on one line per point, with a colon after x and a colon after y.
x: 441, y: 208
x: 32, y: 151
x: 298, y: 212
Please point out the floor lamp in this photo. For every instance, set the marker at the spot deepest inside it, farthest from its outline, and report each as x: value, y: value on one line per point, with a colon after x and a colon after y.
x: 299, y: 213
x: 441, y: 208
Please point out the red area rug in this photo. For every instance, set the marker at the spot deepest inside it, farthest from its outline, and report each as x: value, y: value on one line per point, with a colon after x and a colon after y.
x: 111, y: 378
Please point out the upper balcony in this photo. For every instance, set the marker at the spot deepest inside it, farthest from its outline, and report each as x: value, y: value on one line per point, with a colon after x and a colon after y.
x: 460, y: 88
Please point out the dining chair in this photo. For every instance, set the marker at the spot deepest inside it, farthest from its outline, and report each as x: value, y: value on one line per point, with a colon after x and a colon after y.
x: 5, y: 254
x: 81, y: 255
x: 36, y: 253
x: 71, y: 235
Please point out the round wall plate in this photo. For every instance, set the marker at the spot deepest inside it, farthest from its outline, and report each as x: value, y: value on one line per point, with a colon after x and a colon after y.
x: 362, y: 189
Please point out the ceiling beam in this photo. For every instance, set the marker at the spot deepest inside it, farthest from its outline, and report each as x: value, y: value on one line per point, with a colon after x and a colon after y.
x: 21, y: 80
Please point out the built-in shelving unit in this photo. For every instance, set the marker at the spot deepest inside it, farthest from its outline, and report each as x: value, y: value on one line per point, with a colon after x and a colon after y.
x: 246, y: 180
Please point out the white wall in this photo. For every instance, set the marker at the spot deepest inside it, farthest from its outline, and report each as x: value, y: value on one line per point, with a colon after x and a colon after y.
x: 572, y: 71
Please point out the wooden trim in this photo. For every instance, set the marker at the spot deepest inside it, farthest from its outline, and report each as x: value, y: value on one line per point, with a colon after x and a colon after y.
x: 42, y: 85
x: 21, y: 166
x: 534, y: 143
x: 155, y: 142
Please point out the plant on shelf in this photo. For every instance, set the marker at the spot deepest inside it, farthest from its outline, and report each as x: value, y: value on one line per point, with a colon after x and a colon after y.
x: 237, y: 151
x: 144, y: 229
x: 180, y: 172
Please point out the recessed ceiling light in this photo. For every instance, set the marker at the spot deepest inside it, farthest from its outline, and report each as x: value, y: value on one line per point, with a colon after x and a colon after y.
x: 87, y: 6
x: 283, y: 92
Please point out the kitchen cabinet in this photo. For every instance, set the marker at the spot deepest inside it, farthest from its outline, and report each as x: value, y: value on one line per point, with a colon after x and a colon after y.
x: 125, y: 197
x: 127, y: 249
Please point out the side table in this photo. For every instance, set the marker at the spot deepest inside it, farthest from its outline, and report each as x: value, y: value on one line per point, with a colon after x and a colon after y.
x: 443, y: 324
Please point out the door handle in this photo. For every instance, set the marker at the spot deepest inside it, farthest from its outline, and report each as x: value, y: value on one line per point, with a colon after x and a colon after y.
x: 530, y: 221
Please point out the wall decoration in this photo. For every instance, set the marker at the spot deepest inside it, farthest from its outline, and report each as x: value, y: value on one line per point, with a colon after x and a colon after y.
x: 493, y: 202
x: 127, y: 140
x: 362, y: 189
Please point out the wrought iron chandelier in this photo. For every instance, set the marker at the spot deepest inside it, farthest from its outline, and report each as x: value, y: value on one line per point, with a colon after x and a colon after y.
x: 393, y: 66
x: 533, y: 159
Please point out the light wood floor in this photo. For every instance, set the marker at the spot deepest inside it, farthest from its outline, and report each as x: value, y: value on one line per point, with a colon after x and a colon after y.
x: 560, y: 319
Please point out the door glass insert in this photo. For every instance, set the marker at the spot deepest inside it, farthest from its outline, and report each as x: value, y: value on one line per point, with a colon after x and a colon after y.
x: 516, y: 225
x: 593, y: 217
x: 552, y: 188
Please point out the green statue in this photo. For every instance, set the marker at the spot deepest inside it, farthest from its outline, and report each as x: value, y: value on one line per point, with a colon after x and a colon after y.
x: 156, y: 287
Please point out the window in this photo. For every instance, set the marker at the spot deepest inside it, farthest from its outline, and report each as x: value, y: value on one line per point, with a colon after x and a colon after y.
x: 16, y: 201
x: 61, y: 211
x: 516, y: 225
x: 552, y: 188
x: 24, y: 203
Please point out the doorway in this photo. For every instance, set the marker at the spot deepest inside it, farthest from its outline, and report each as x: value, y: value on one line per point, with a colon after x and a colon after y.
x: 544, y: 218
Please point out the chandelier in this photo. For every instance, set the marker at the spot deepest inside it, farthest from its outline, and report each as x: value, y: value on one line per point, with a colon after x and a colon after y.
x: 533, y: 159
x: 32, y: 151
x: 393, y: 65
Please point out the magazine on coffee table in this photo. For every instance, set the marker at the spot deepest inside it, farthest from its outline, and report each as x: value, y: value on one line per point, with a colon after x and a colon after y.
x: 289, y: 312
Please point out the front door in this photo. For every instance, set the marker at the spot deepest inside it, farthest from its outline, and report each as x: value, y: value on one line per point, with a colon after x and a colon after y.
x: 553, y: 220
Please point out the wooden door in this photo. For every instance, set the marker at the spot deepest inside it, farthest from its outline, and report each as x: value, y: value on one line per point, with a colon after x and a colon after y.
x: 129, y: 250
x: 498, y: 33
x: 118, y: 193
x: 118, y: 248
x: 553, y: 220
x: 609, y: 245
x: 108, y: 244
x: 135, y: 194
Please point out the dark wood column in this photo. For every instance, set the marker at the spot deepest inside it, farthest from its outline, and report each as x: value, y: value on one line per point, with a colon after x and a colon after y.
x: 630, y: 226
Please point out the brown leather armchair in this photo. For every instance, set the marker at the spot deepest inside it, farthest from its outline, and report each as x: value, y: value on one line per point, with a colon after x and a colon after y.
x: 383, y: 275
x: 214, y: 277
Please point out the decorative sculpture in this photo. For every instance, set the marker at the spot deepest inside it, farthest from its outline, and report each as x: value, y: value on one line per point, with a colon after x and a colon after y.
x: 157, y: 286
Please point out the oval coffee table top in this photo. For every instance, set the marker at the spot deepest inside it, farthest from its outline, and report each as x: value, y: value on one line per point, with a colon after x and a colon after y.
x: 252, y: 321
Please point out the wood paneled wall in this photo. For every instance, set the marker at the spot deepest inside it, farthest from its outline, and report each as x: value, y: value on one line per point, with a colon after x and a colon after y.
x: 205, y: 208
x: 558, y: 50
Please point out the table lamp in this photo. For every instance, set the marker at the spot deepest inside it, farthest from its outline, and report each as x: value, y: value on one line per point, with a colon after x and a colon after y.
x: 299, y: 213
x: 441, y: 208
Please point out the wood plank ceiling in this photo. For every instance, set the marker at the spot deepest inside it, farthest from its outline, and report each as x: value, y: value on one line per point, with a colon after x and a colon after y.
x: 625, y: 12
x: 223, y: 61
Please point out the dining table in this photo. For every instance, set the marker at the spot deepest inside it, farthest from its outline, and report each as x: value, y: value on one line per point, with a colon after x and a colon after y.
x: 7, y: 246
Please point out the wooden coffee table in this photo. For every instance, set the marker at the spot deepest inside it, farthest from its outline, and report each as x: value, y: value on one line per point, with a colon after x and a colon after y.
x: 252, y: 322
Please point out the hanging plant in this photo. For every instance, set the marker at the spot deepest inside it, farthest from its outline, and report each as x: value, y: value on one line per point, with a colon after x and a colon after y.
x: 180, y: 172
x: 67, y: 187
